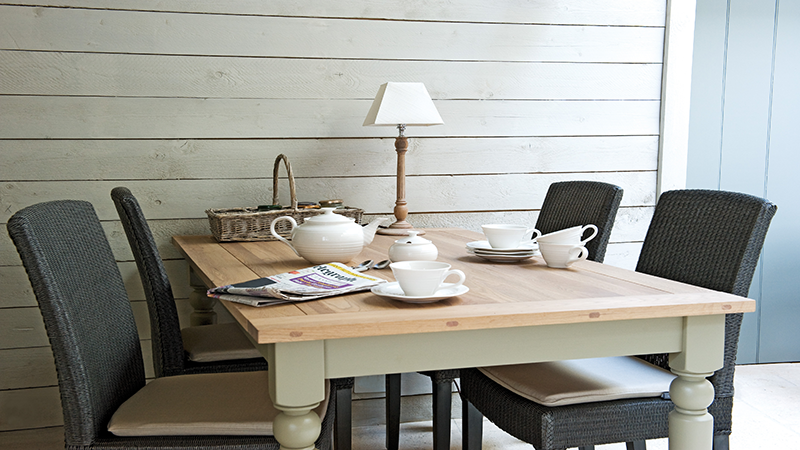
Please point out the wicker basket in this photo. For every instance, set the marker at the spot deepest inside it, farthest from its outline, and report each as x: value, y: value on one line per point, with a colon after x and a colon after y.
x: 250, y: 224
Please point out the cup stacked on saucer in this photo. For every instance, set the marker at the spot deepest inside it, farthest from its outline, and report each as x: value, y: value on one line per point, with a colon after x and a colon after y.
x: 560, y: 249
x: 506, y: 243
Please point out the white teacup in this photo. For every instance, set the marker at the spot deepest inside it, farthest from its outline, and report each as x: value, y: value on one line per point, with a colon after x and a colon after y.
x: 572, y: 235
x: 501, y: 235
x: 561, y: 256
x: 424, y: 278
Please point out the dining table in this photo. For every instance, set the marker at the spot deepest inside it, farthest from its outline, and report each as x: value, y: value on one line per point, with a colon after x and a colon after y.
x: 514, y: 312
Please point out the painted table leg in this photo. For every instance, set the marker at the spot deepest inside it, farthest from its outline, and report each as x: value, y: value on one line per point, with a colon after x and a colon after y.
x: 297, y: 428
x: 691, y: 427
x: 297, y: 386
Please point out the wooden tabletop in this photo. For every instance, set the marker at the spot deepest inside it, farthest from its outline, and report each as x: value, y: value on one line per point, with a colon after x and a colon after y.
x: 501, y: 295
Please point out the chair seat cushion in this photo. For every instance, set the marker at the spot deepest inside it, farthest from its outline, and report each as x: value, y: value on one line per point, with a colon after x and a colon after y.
x: 218, y: 342
x: 582, y: 380
x: 203, y: 404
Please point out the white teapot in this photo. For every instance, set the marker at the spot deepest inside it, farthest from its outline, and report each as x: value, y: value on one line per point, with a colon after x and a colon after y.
x: 327, y: 237
x: 413, y: 248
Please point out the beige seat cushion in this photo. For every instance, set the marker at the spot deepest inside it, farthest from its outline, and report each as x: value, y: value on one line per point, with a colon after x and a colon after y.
x: 582, y: 380
x: 218, y: 342
x: 204, y: 404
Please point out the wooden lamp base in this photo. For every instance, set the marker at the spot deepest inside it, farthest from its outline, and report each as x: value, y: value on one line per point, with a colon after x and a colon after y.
x: 400, y: 227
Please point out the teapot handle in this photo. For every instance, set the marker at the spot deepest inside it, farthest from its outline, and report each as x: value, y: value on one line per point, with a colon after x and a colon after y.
x: 281, y: 238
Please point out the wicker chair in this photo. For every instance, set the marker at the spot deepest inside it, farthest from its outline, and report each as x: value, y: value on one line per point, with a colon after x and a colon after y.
x: 97, y: 351
x: 710, y: 239
x: 571, y: 203
x: 171, y: 351
x: 567, y: 204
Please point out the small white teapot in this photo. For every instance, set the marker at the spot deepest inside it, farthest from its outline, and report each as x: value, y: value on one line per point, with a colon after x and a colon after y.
x: 327, y: 237
x: 413, y: 248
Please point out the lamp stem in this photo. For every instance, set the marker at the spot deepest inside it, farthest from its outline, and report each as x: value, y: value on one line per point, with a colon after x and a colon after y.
x: 400, y: 226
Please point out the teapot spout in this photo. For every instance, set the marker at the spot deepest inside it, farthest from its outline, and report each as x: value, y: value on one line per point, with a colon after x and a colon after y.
x: 371, y: 228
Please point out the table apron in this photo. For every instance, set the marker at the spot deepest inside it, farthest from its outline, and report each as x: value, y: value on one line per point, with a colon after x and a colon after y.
x: 298, y: 369
x: 696, y: 340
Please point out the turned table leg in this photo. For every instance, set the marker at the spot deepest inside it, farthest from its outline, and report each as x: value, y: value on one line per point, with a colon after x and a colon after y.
x: 691, y: 427
x: 297, y: 428
x: 296, y: 386
x: 690, y: 424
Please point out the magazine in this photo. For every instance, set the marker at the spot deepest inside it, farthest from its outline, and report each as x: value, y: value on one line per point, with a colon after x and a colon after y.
x: 323, y: 280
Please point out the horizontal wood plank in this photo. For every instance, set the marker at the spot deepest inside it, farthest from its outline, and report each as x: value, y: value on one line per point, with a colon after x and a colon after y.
x: 185, y: 199
x: 576, y: 12
x: 624, y: 255
x: 35, y: 367
x: 132, y: 118
x: 126, y: 75
x: 83, y: 30
x: 22, y: 327
x: 30, y: 408
x: 196, y: 159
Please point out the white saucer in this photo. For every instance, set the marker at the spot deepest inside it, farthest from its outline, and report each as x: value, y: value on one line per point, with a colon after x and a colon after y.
x: 506, y: 258
x: 392, y: 290
x: 480, y: 251
x: 484, y: 245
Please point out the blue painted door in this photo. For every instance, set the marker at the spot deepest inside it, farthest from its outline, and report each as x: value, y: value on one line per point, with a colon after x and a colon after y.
x: 744, y: 116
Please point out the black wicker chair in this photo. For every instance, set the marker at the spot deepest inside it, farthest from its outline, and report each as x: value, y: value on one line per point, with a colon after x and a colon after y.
x: 171, y: 355
x: 571, y: 203
x: 710, y: 239
x: 567, y: 204
x: 95, y: 344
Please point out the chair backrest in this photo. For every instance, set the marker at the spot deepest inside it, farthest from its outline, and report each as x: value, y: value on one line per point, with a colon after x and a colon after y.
x: 165, y: 331
x: 710, y: 239
x: 571, y: 203
x: 86, y: 312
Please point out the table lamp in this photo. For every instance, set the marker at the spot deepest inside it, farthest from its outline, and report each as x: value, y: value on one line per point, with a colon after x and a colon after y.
x: 401, y: 105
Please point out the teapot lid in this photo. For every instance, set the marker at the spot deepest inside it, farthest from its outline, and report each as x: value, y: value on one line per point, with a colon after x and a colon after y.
x: 412, y: 238
x: 327, y: 218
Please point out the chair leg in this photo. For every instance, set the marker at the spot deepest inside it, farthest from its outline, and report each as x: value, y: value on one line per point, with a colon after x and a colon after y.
x: 342, y: 423
x: 472, y: 424
x: 586, y: 447
x: 442, y: 397
x: 636, y: 445
x: 721, y: 442
x: 392, y: 411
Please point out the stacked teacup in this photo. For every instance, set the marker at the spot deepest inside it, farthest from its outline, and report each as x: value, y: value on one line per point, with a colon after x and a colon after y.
x: 560, y: 249
x: 508, y: 236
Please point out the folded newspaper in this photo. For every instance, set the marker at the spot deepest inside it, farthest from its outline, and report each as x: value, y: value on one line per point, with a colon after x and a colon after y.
x: 319, y: 281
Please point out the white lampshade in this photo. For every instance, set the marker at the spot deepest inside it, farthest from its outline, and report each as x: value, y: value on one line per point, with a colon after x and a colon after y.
x: 403, y: 104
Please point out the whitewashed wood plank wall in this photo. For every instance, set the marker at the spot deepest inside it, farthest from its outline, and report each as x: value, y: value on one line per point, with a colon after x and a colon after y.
x: 188, y: 103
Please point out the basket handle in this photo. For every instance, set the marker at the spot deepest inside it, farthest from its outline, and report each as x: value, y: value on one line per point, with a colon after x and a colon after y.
x: 292, y: 192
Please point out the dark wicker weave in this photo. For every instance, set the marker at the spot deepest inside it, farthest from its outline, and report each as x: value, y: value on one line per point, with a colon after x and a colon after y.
x: 567, y: 204
x: 710, y: 239
x: 169, y: 356
x: 571, y: 203
x: 92, y: 332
